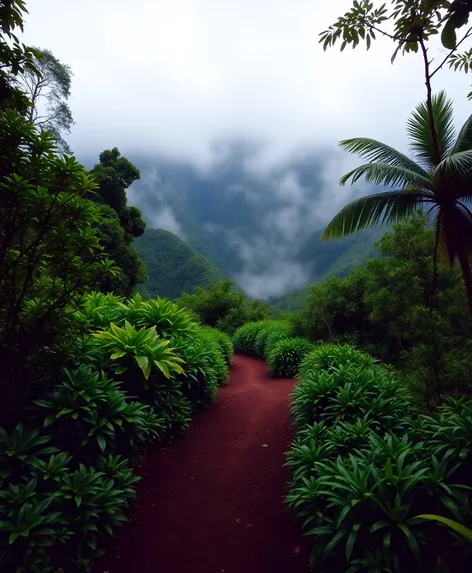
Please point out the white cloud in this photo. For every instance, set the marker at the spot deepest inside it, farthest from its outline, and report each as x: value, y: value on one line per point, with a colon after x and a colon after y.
x: 175, y: 75
x: 164, y: 218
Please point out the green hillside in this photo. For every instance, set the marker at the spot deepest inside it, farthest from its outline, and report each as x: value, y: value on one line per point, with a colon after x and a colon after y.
x: 173, y: 266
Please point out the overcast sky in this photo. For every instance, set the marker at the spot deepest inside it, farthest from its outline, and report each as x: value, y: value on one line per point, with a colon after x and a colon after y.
x: 177, y: 75
x: 184, y: 78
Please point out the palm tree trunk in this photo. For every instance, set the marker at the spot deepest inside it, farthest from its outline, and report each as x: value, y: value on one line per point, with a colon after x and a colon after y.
x: 466, y: 275
x: 435, y: 266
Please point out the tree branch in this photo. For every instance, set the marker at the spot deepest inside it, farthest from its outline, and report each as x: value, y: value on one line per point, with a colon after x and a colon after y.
x: 467, y: 35
x: 429, y: 103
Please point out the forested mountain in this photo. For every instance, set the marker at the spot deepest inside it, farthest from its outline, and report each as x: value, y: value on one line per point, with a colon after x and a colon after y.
x: 260, y: 229
x: 173, y: 266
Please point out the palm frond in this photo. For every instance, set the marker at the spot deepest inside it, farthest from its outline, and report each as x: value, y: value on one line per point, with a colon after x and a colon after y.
x: 464, y: 139
x: 377, y: 152
x: 380, y: 208
x: 455, y: 165
x: 419, y: 130
x: 389, y: 175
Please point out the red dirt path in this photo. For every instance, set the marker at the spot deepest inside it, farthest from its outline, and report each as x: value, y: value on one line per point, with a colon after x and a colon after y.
x: 212, y: 502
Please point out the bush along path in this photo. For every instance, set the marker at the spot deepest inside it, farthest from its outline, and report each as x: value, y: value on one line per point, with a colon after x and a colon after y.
x: 213, y: 501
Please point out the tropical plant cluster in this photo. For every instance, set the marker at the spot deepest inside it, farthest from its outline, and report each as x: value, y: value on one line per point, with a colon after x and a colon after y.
x: 88, y: 378
x: 137, y: 372
x: 370, y: 472
x: 273, y: 340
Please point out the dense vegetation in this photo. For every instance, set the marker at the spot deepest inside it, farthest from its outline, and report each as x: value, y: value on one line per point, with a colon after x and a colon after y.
x: 173, y: 266
x: 366, y: 466
x: 88, y: 377
x: 91, y: 371
x: 223, y: 306
x: 388, y: 306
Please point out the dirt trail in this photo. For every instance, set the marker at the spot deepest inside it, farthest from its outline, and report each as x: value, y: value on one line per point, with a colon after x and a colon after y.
x: 212, y: 502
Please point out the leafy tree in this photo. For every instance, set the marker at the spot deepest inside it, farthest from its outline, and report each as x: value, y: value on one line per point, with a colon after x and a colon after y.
x: 384, y: 306
x: 115, y: 242
x: 437, y: 178
x: 414, y: 23
x: 49, y: 251
x: 120, y: 223
x: 224, y: 307
x: 48, y: 92
x: 15, y: 58
x: 114, y: 174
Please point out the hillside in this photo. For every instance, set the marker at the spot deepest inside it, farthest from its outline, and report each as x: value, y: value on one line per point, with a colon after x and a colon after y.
x: 325, y: 258
x: 173, y: 266
x: 262, y: 229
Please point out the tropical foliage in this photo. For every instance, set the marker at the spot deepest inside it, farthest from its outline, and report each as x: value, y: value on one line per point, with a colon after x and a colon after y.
x: 437, y: 178
x: 285, y: 356
x: 67, y: 475
x: 365, y: 469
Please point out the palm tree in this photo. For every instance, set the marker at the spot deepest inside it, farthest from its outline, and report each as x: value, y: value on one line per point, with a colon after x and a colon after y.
x: 437, y: 179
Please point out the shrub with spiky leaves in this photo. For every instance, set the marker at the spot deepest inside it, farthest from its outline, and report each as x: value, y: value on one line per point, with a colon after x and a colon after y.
x: 244, y: 339
x: 141, y: 347
x: 54, y: 511
x: 285, y: 357
x: 349, y: 393
x: 365, y: 504
x: 273, y: 338
x: 326, y: 356
x: 223, y: 341
x: 362, y: 474
x: 90, y: 414
x: 274, y: 331
x: 203, y: 370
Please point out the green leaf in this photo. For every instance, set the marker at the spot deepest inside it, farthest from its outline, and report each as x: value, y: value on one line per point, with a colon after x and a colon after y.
x: 419, y: 130
x: 461, y: 529
x: 144, y: 364
x: 101, y: 442
x: 351, y: 540
x: 116, y: 355
x: 381, y: 208
x: 448, y: 35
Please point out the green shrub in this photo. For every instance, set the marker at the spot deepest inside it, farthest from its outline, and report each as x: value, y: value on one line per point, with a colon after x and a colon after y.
x: 203, y: 365
x: 326, y: 356
x: 275, y: 331
x: 273, y: 338
x: 244, y: 339
x: 285, y: 357
x: 223, y: 340
x: 54, y: 511
x: 141, y: 350
x: 100, y: 310
x: 349, y: 393
x: 365, y: 465
x: 360, y: 509
x: 90, y: 414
